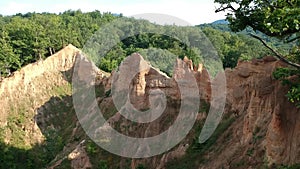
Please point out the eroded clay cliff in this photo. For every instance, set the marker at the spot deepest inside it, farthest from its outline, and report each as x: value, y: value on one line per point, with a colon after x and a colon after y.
x: 266, y: 123
x: 264, y: 129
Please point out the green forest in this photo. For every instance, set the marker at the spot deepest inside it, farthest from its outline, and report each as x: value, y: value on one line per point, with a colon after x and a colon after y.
x: 278, y: 20
x: 30, y: 37
x: 27, y: 38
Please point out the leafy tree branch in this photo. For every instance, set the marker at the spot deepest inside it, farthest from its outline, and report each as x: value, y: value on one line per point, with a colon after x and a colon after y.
x: 277, y: 54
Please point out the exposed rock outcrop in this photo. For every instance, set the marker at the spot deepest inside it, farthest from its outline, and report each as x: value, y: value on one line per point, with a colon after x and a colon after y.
x: 266, y: 124
x: 30, y: 87
x: 266, y: 120
x: 79, y: 158
x: 138, y: 78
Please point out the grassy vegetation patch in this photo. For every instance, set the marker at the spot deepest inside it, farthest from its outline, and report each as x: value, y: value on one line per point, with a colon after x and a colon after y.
x: 196, y: 151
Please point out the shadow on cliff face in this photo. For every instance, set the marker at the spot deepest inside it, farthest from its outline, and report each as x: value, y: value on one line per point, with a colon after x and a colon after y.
x: 56, y: 120
x: 13, y: 158
x: 264, y: 116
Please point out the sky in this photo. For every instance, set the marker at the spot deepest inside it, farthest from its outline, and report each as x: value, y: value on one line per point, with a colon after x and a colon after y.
x: 191, y: 11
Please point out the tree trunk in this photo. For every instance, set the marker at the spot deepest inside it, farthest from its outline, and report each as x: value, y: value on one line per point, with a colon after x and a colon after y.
x: 8, y: 72
x: 50, y: 50
x: 40, y: 55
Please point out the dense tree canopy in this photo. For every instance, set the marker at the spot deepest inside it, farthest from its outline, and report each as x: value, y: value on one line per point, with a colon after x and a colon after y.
x: 277, y: 18
x: 26, y: 38
x: 274, y: 18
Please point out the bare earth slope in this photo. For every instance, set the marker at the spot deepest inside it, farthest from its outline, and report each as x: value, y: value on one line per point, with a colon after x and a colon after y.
x: 28, y: 89
x: 260, y: 126
x: 266, y: 129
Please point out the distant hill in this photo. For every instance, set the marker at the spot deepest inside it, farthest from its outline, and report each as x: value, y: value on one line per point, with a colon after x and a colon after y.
x: 223, y: 25
x: 221, y: 21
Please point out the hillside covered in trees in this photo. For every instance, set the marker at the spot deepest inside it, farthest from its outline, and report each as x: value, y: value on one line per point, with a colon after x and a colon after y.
x: 27, y: 38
